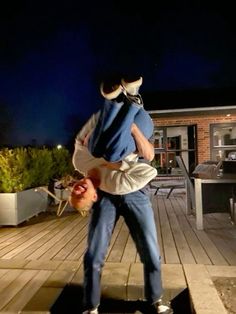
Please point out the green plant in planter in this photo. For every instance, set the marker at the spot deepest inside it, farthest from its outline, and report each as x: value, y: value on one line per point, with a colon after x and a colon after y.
x: 24, y: 168
x: 14, y: 174
x: 40, y: 166
x: 62, y: 163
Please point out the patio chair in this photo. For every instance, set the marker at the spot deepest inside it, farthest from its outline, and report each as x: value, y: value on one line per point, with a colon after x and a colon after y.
x: 63, y: 202
x: 189, y: 182
x: 171, y: 187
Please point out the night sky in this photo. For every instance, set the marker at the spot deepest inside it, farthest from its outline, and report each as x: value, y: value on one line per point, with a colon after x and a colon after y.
x: 53, y: 58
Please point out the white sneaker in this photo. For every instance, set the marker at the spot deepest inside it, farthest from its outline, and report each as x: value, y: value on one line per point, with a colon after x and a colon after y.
x: 163, y: 308
x: 95, y: 311
x: 112, y: 92
x: 132, y: 87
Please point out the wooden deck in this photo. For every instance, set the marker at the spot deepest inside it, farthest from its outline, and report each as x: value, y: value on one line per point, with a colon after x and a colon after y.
x: 40, y: 257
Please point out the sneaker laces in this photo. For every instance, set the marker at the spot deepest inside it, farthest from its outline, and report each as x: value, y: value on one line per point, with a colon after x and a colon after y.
x: 137, y: 99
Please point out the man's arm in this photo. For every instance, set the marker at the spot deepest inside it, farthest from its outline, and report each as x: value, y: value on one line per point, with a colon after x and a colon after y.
x: 145, y: 148
x: 116, y: 178
x: 133, y: 178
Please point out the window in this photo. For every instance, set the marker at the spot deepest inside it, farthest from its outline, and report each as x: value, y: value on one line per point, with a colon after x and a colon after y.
x: 172, y: 141
x: 223, y: 141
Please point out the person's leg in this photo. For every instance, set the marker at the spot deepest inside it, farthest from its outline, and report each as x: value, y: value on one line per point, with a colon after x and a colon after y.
x: 138, y: 215
x: 111, y: 138
x: 103, y: 219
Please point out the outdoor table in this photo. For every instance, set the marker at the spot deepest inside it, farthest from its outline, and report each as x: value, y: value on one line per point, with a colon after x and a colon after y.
x: 213, y: 195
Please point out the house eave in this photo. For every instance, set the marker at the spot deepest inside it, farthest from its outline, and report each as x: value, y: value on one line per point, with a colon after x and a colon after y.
x: 197, y: 110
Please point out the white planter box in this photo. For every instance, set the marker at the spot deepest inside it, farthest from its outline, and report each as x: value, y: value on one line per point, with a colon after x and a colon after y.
x: 18, y: 207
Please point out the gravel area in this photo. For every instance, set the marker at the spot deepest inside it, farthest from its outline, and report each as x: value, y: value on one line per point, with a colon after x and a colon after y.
x: 226, y: 288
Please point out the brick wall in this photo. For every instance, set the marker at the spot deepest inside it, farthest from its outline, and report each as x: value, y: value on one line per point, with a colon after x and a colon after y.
x: 203, y: 128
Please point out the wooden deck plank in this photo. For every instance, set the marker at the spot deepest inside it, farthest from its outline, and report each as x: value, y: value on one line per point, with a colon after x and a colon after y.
x: 25, y: 245
x: 170, y: 250
x: 2, y: 272
x: 78, y: 239
x: 11, y: 234
x: 27, y: 236
x: 27, y: 292
x: 116, y: 253
x: 115, y: 234
x: 78, y: 251
x: 184, y: 251
x: 51, y: 239
x: 16, y: 241
x: 15, y: 286
x: 223, y: 234
x: 63, y: 257
x: 207, y: 244
x: 177, y: 223
x: 43, y: 237
x: 198, y: 251
x: 8, y: 277
x: 69, y: 233
x: 52, y: 229
x: 212, y: 251
x: 224, y: 246
x: 130, y: 252
x: 77, y: 279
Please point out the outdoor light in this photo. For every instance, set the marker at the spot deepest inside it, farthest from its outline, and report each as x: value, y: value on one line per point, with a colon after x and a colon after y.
x: 59, y: 146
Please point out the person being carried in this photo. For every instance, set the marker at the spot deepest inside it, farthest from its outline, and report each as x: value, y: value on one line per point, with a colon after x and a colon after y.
x: 108, y: 147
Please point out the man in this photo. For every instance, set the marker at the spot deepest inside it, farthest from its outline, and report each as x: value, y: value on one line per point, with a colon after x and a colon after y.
x: 132, y: 202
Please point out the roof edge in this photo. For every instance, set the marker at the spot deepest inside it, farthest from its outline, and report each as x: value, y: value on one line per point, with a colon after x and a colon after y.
x: 192, y: 109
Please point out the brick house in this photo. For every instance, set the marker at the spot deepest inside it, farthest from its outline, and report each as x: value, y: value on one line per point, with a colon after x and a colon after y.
x: 197, y: 133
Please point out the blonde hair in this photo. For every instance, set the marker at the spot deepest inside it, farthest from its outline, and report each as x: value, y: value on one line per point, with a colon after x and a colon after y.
x: 83, y: 210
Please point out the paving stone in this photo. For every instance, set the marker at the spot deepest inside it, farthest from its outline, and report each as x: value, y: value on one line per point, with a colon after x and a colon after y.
x: 174, y: 281
x: 221, y: 271
x: 135, y: 287
x: 114, y: 280
x: 203, y: 293
x: 43, y: 300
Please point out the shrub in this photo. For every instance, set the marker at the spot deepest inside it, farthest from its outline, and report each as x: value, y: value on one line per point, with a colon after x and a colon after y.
x: 24, y: 168
x: 62, y: 163
x: 40, y: 166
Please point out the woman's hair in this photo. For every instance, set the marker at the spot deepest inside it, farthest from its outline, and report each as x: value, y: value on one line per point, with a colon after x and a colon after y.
x: 83, y: 210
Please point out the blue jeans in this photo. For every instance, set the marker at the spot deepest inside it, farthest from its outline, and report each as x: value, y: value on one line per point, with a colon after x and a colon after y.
x: 112, y: 138
x: 137, y: 211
